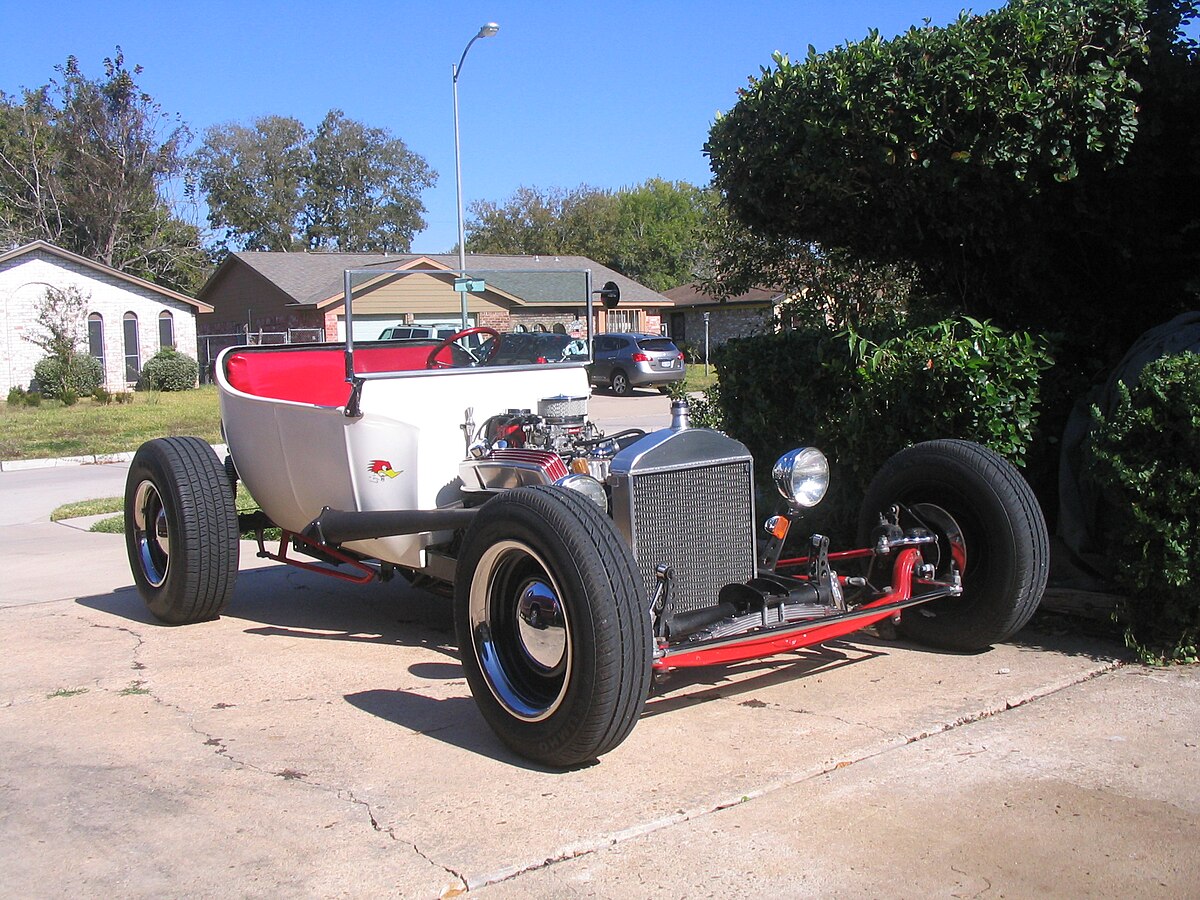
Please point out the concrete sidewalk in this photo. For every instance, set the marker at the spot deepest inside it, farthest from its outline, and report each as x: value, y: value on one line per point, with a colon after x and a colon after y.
x: 319, y: 740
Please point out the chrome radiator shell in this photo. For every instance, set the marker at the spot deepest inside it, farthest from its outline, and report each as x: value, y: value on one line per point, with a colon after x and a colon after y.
x: 685, y: 498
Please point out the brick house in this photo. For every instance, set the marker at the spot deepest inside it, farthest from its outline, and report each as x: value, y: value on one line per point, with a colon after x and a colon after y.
x: 299, y: 296
x: 129, y: 319
x: 743, y: 316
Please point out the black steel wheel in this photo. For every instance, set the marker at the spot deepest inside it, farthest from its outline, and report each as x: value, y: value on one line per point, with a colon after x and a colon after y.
x: 181, y: 529
x: 988, y: 522
x: 620, y: 383
x: 553, y: 631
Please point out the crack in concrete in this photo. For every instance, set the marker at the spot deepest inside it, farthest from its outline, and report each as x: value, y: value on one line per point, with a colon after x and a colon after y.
x: 220, y: 748
x: 347, y: 796
x: 612, y: 839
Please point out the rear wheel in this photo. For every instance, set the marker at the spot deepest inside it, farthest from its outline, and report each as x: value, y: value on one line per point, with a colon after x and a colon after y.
x: 552, y: 628
x: 988, y: 522
x: 620, y: 383
x: 181, y: 530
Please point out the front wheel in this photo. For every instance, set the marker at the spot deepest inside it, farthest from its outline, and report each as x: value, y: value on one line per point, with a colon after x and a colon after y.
x: 988, y: 522
x: 552, y: 629
x: 181, y: 530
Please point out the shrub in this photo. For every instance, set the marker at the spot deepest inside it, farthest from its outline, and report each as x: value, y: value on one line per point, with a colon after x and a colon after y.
x: 1144, y: 455
x: 68, y: 397
x: 16, y: 396
x: 169, y: 370
x: 33, y: 398
x: 860, y: 398
x: 102, y: 396
x: 79, y: 374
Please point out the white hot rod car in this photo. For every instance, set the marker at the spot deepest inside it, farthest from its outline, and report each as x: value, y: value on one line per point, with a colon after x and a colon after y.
x: 580, y: 563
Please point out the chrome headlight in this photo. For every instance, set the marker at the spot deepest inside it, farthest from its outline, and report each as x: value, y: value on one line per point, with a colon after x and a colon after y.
x: 802, y: 476
x: 587, y: 486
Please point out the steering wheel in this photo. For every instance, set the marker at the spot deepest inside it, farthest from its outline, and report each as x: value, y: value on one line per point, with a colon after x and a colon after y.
x: 434, y: 363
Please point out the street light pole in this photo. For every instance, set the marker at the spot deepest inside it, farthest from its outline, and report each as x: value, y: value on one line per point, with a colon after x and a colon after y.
x: 486, y: 31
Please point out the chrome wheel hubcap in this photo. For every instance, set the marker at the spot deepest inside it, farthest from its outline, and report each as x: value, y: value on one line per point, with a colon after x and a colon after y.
x: 150, y: 534
x: 520, y: 633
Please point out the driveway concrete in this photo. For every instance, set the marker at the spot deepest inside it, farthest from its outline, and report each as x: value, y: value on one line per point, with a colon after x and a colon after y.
x: 319, y: 740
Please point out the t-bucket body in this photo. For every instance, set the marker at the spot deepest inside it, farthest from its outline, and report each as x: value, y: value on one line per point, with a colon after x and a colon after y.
x: 372, y: 425
x: 581, y: 564
x: 401, y: 452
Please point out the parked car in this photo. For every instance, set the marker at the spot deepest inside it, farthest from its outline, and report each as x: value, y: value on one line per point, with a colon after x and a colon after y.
x: 581, y: 564
x: 418, y: 332
x: 528, y: 347
x: 623, y: 360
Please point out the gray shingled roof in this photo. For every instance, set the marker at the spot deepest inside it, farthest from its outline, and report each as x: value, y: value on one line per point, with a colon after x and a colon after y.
x: 309, y: 278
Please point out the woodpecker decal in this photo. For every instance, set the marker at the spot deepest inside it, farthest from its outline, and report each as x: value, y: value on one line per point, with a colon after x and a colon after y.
x: 381, y: 470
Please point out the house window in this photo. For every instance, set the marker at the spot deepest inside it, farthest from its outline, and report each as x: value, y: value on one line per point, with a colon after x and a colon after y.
x: 133, y: 356
x: 96, y: 338
x: 621, y: 320
x: 166, y: 330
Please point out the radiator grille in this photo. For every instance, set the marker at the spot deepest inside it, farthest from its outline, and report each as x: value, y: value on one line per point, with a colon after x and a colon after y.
x: 700, y: 522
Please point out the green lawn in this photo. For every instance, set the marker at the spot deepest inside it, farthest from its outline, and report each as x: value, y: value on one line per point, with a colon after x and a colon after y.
x: 89, y: 427
x: 695, y: 379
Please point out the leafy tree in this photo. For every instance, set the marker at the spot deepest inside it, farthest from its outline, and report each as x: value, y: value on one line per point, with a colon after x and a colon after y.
x: 548, y: 222
x: 253, y: 179
x: 826, y: 288
x: 658, y: 235
x: 1040, y: 164
x: 651, y: 232
x: 30, y: 201
x: 60, y: 317
x: 345, y: 186
x: 364, y: 188
x: 60, y: 320
x: 86, y: 164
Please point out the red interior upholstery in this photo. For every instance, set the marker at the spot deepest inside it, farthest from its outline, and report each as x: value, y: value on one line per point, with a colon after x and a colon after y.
x: 316, y: 375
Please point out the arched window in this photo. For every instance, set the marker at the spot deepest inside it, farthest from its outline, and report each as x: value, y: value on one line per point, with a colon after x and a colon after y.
x: 96, y: 341
x: 559, y: 328
x: 166, y: 330
x: 539, y: 327
x: 521, y: 329
x: 133, y: 355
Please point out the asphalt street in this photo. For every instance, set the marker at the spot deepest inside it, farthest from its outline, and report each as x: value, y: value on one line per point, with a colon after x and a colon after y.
x: 319, y: 741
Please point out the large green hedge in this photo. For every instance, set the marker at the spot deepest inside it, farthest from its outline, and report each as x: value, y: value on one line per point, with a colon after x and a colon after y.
x: 1146, y: 457
x: 860, y: 400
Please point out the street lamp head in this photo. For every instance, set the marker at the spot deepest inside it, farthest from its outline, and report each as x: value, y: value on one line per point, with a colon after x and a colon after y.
x: 488, y: 30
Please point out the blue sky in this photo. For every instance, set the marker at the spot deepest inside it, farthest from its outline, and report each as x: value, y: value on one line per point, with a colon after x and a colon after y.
x: 602, y: 93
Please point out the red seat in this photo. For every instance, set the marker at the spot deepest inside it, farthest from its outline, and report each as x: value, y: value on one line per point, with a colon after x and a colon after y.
x: 314, y: 375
